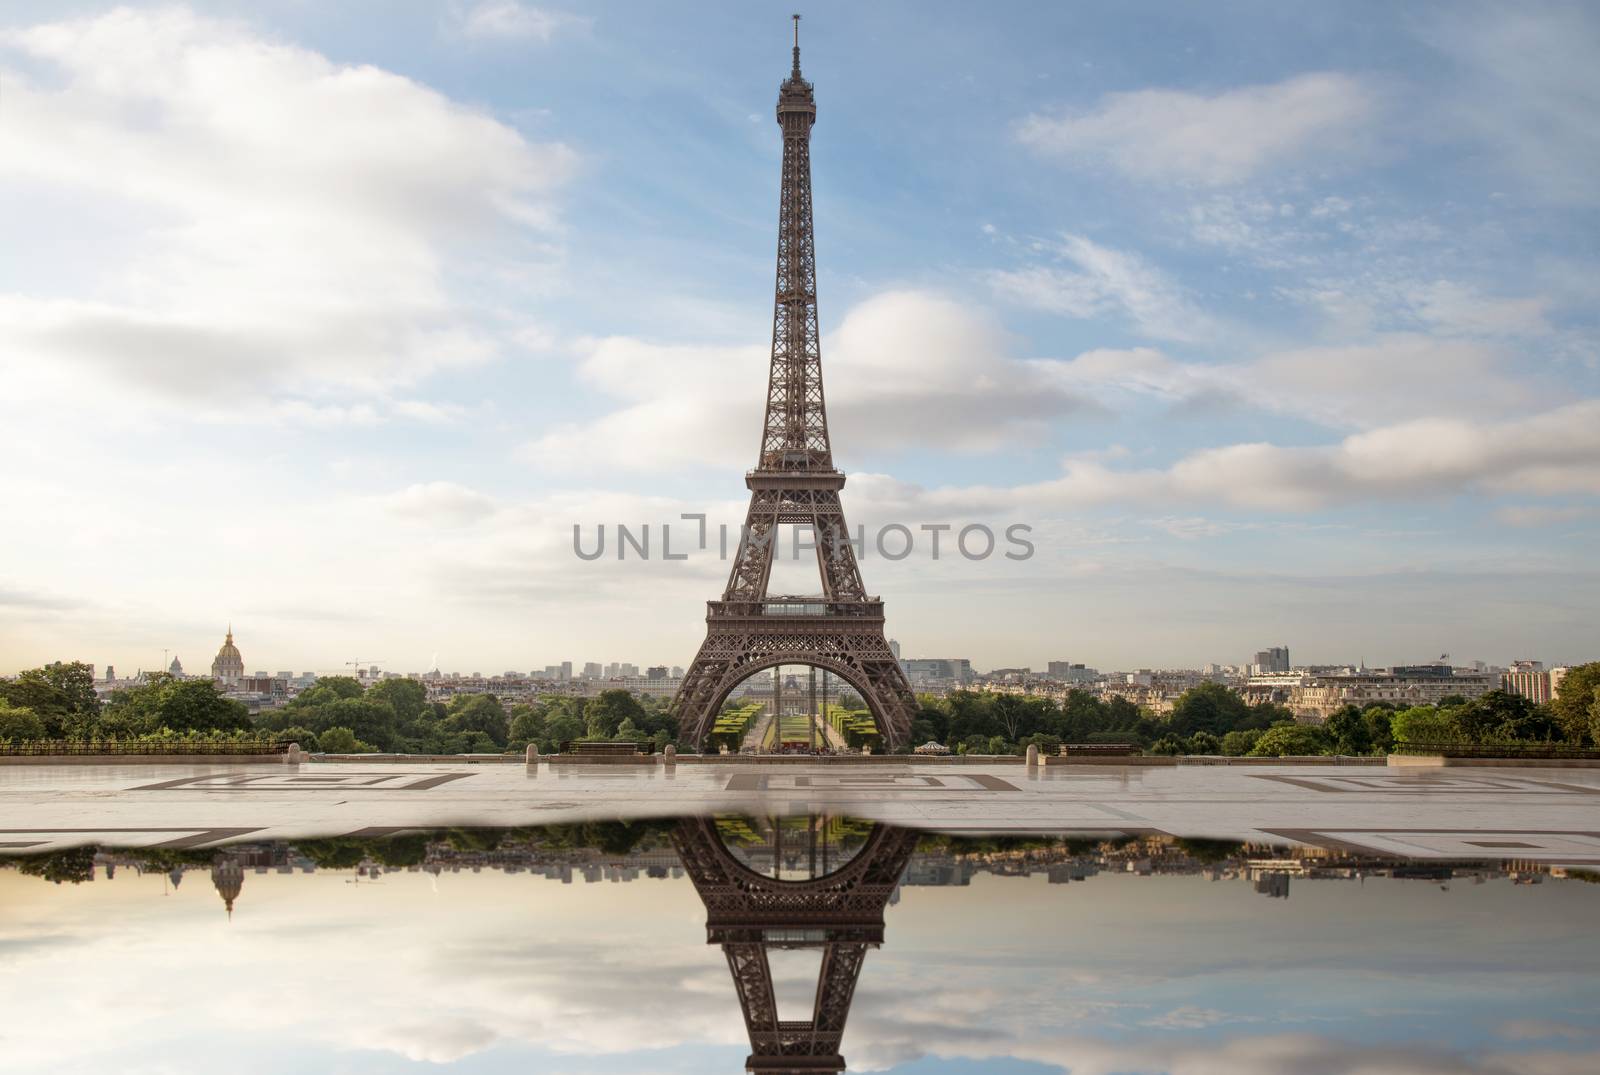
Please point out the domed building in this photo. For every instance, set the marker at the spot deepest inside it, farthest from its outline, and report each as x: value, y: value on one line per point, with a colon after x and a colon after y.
x: 227, y: 874
x: 175, y: 669
x: 228, y: 667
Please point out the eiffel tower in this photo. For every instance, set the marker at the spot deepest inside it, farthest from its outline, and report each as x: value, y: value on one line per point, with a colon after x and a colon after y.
x: 794, y: 482
x: 836, y: 908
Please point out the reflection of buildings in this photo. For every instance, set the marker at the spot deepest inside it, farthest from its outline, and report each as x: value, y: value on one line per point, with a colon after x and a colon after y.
x: 790, y: 854
x: 837, y: 912
x: 227, y: 874
x: 1272, y: 884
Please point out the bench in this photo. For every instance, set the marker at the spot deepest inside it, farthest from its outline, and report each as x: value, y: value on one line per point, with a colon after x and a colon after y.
x: 603, y: 753
x: 605, y: 749
x: 1109, y: 750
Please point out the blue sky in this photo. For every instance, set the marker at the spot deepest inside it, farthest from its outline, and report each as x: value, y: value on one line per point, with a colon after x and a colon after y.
x: 1274, y: 321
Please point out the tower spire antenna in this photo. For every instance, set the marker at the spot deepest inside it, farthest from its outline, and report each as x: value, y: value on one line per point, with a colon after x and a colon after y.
x: 796, y: 18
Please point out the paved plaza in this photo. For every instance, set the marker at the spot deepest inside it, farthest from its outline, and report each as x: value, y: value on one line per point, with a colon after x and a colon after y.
x: 1542, y: 815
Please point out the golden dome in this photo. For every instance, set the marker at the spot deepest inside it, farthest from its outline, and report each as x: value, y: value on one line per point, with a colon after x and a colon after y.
x: 229, y: 664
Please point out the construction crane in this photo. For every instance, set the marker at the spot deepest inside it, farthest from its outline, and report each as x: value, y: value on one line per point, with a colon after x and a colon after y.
x: 359, y: 663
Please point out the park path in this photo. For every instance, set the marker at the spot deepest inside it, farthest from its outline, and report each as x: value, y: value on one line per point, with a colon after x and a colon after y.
x: 756, y: 735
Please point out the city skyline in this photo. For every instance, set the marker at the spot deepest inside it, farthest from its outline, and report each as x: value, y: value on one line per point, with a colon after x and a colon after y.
x: 581, y: 666
x: 1268, y: 327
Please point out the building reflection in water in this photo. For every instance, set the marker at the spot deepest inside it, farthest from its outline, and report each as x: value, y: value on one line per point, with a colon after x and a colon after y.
x: 778, y: 893
x: 796, y: 884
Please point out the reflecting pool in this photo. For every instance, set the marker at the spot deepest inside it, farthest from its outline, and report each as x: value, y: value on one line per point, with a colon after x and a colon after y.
x: 793, y: 944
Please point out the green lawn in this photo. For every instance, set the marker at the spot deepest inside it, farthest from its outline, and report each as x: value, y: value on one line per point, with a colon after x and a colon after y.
x: 794, y: 728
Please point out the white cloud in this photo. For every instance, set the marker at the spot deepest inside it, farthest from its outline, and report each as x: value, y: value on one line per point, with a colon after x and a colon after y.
x: 1554, y: 452
x: 685, y: 405
x: 1139, y: 371
x: 1388, y: 378
x: 438, y: 502
x: 1101, y: 282
x: 1370, y: 299
x: 1213, y: 140
x: 1191, y: 1017
x: 1277, y: 1053
x: 904, y: 369
x: 1461, y: 310
x: 283, y: 221
x: 507, y: 19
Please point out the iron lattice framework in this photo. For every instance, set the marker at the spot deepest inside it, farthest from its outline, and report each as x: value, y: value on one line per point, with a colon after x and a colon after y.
x: 748, y: 914
x: 840, y: 630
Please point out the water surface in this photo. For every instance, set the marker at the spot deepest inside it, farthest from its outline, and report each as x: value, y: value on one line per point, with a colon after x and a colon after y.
x: 586, y: 949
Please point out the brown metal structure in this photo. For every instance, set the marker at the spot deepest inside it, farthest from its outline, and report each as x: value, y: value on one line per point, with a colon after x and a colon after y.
x: 795, y: 482
x: 749, y: 914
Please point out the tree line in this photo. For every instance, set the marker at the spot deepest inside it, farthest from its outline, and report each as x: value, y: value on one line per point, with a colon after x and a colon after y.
x: 341, y: 715
x: 1214, y: 719
x: 338, y: 715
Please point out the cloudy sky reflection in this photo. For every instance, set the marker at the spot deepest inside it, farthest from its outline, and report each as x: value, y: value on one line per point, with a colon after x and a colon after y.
x: 499, y: 973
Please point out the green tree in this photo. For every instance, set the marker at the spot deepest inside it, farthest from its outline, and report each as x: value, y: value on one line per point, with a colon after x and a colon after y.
x: 297, y: 734
x: 1202, y: 850
x: 527, y: 723
x: 1203, y: 743
x: 198, y: 705
x: 1379, y: 720
x: 336, y: 853
x: 1573, y: 705
x: 407, y: 697
x: 1019, y: 716
x: 1291, y: 740
x: 1082, y: 714
x: 179, y: 705
x: 1423, y: 725
x: 1122, y: 713
x: 1047, y: 743
x: 1210, y: 707
x: 604, y: 714
x: 340, y: 686
x: 407, y: 849
x: 19, y: 724
x: 1481, y: 718
x: 1264, y: 715
x: 61, y: 695
x: 478, y: 713
x: 1167, y: 745
x: 1348, y: 730
x: 1238, y: 743
x: 342, y: 741
x: 372, y: 722
x: 563, y: 727
x: 930, y: 722
x: 73, y: 865
x: 971, y: 717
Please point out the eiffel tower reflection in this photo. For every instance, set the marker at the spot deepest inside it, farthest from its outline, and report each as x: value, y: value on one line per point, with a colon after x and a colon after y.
x: 808, y: 883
